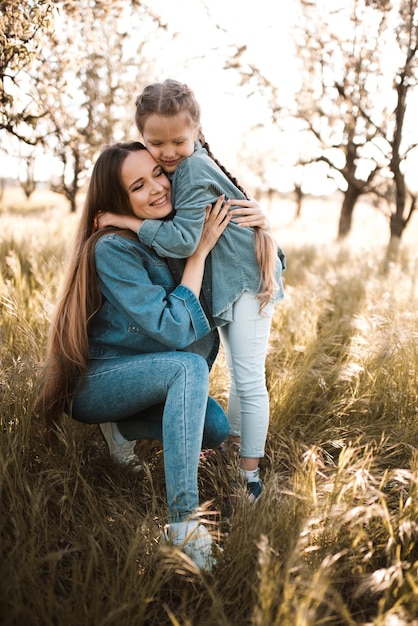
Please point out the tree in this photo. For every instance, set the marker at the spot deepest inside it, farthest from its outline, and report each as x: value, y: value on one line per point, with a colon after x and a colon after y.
x: 405, y: 82
x: 68, y: 72
x: 341, y: 95
x: 371, y: 96
x: 268, y: 154
x: 358, y: 64
x: 28, y: 183
x: 338, y: 49
x: 23, y: 28
x: 87, y: 89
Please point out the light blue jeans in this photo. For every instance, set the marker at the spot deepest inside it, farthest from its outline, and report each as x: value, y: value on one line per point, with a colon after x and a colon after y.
x: 245, y: 342
x: 125, y: 389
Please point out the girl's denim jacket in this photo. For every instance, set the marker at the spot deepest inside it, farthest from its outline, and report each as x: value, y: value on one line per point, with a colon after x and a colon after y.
x: 143, y: 309
x: 197, y: 182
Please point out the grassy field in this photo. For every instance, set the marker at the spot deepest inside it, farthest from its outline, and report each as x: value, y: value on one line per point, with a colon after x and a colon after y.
x: 333, y: 540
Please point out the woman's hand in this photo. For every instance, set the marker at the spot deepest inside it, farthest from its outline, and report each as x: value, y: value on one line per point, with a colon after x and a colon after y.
x: 250, y: 214
x: 217, y: 219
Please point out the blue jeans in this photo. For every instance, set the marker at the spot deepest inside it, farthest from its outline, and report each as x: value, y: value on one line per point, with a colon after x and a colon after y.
x: 160, y: 396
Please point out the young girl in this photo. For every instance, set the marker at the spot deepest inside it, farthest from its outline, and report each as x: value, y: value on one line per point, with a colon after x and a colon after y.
x: 246, y: 263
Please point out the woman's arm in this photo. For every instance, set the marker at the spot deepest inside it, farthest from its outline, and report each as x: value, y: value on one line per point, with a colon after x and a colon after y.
x: 216, y: 221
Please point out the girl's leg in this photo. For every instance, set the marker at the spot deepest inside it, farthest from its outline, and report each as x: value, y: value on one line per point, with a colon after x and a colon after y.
x: 245, y: 341
x: 120, y: 387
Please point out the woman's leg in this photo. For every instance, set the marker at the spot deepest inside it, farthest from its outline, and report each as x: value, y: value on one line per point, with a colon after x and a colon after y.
x: 148, y: 424
x: 120, y: 387
x: 245, y: 341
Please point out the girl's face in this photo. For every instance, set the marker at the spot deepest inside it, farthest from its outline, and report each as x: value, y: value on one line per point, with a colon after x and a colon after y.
x: 170, y: 139
x: 148, y: 188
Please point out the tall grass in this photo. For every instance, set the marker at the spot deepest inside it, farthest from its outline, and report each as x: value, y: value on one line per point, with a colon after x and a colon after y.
x: 333, y: 540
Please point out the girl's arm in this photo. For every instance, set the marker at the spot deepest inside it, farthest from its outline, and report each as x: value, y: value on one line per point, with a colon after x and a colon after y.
x: 249, y: 215
x: 128, y: 222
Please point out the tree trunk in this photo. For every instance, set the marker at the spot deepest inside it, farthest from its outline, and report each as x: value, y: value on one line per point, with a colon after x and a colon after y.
x: 299, y: 199
x: 350, y: 198
x: 392, y: 252
x: 73, y: 205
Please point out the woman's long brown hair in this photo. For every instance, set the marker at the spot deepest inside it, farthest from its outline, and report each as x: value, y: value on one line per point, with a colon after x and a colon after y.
x: 67, y: 348
x: 170, y: 98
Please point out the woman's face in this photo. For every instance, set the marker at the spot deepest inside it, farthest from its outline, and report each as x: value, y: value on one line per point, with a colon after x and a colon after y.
x: 148, y: 188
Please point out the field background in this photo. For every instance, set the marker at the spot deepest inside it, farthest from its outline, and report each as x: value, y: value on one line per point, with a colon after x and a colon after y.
x: 334, y: 538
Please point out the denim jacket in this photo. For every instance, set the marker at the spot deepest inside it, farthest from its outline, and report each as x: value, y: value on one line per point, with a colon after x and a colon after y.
x: 197, y: 182
x: 143, y: 309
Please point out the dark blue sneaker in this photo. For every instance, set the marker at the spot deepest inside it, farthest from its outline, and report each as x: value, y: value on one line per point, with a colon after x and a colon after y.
x: 254, y: 490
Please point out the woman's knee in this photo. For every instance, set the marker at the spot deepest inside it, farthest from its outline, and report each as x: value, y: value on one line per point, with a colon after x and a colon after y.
x: 194, y: 360
x: 216, y: 425
x: 193, y: 367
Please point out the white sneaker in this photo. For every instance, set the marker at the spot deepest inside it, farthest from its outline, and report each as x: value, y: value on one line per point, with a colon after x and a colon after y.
x: 121, y: 450
x: 193, y: 539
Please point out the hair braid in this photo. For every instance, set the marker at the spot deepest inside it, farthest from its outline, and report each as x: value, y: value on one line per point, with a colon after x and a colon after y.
x: 206, y: 146
x: 265, y: 245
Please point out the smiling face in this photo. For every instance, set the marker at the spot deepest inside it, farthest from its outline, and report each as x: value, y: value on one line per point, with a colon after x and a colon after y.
x: 169, y: 138
x: 148, y: 188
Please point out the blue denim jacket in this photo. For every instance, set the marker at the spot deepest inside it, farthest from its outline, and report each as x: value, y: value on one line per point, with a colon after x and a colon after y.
x: 197, y: 182
x: 143, y: 309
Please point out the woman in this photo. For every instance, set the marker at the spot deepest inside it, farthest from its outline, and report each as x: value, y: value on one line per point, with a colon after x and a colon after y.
x: 118, y: 340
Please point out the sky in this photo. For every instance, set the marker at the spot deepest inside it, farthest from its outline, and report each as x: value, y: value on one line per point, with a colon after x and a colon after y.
x: 264, y: 27
x: 195, y: 55
x: 192, y: 56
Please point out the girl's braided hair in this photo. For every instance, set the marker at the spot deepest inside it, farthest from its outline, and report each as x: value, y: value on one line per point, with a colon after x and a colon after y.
x: 172, y: 97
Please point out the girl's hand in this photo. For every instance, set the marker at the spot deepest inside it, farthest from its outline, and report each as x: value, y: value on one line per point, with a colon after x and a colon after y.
x: 250, y: 214
x: 129, y: 222
x: 217, y: 219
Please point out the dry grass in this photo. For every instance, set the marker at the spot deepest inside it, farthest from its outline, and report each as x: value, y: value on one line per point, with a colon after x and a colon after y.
x: 334, y: 538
